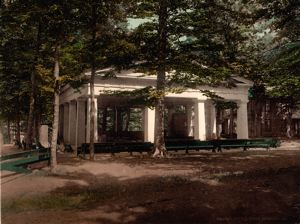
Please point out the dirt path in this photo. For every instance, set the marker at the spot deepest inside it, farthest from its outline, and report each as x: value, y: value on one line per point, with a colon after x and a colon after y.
x: 229, y: 187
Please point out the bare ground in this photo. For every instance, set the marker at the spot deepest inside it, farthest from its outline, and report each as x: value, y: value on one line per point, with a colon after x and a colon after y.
x: 229, y: 187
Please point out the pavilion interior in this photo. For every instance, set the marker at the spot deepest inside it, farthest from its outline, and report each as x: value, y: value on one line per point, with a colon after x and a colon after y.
x: 118, y: 119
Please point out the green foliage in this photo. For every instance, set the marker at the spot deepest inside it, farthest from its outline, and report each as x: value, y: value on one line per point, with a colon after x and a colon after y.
x: 277, y: 65
x: 203, y: 40
x: 30, y: 32
x: 282, y: 75
x: 219, y: 102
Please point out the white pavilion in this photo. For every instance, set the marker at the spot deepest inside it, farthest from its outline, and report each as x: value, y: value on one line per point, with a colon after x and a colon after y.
x: 189, y: 114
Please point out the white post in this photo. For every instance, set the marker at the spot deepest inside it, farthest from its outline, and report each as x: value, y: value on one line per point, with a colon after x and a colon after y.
x: 66, y: 123
x: 72, y: 122
x: 43, y: 136
x: 149, y: 124
x: 200, y: 127
x: 242, y: 120
x: 96, y: 120
x: 80, y: 123
x: 190, y: 116
x: 213, y: 121
x: 88, y: 120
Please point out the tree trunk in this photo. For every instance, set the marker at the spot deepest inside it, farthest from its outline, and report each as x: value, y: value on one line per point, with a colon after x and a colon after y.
x: 8, y: 131
x: 29, y: 132
x: 92, y: 114
x: 218, y: 119
x: 18, y: 127
x: 53, y: 161
x: 36, y: 124
x: 92, y: 91
x: 289, y: 133
x: 160, y: 148
x: 1, y: 137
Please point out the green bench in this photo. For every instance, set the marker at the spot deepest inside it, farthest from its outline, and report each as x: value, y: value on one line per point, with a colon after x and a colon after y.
x: 263, y: 143
x: 189, y: 145
x: 17, y: 162
x: 177, y: 145
x: 222, y: 144
x: 116, y: 147
x: 229, y: 144
x: 246, y: 143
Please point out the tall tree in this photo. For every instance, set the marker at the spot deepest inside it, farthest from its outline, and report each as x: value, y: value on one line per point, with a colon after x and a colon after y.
x: 187, y: 43
x: 277, y: 62
x: 61, y: 30
x: 17, y: 61
x: 100, y: 22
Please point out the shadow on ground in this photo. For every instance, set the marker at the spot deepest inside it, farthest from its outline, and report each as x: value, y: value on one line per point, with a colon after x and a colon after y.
x: 251, y: 187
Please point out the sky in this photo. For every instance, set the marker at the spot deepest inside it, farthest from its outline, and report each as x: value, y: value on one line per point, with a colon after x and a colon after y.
x: 133, y: 23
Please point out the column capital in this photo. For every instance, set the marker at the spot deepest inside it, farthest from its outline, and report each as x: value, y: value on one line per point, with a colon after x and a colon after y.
x: 197, y: 100
x: 240, y: 102
x: 81, y: 99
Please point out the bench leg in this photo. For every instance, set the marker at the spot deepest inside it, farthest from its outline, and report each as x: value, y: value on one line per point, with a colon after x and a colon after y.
x: 245, y: 149
x: 219, y: 149
x: 186, y: 151
x: 214, y: 150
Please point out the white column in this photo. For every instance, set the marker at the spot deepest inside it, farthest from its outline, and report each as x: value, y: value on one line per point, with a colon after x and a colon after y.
x: 190, y: 116
x: 88, y: 120
x: 80, y: 123
x: 96, y: 120
x: 66, y: 123
x: 242, y: 120
x: 43, y: 136
x: 213, y: 121
x: 72, y: 122
x: 149, y: 124
x: 200, y: 127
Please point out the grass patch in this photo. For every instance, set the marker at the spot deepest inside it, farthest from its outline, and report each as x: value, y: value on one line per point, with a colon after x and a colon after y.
x: 45, y: 202
x: 63, y: 200
x: 85, y: 197
x: 166, y: 182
